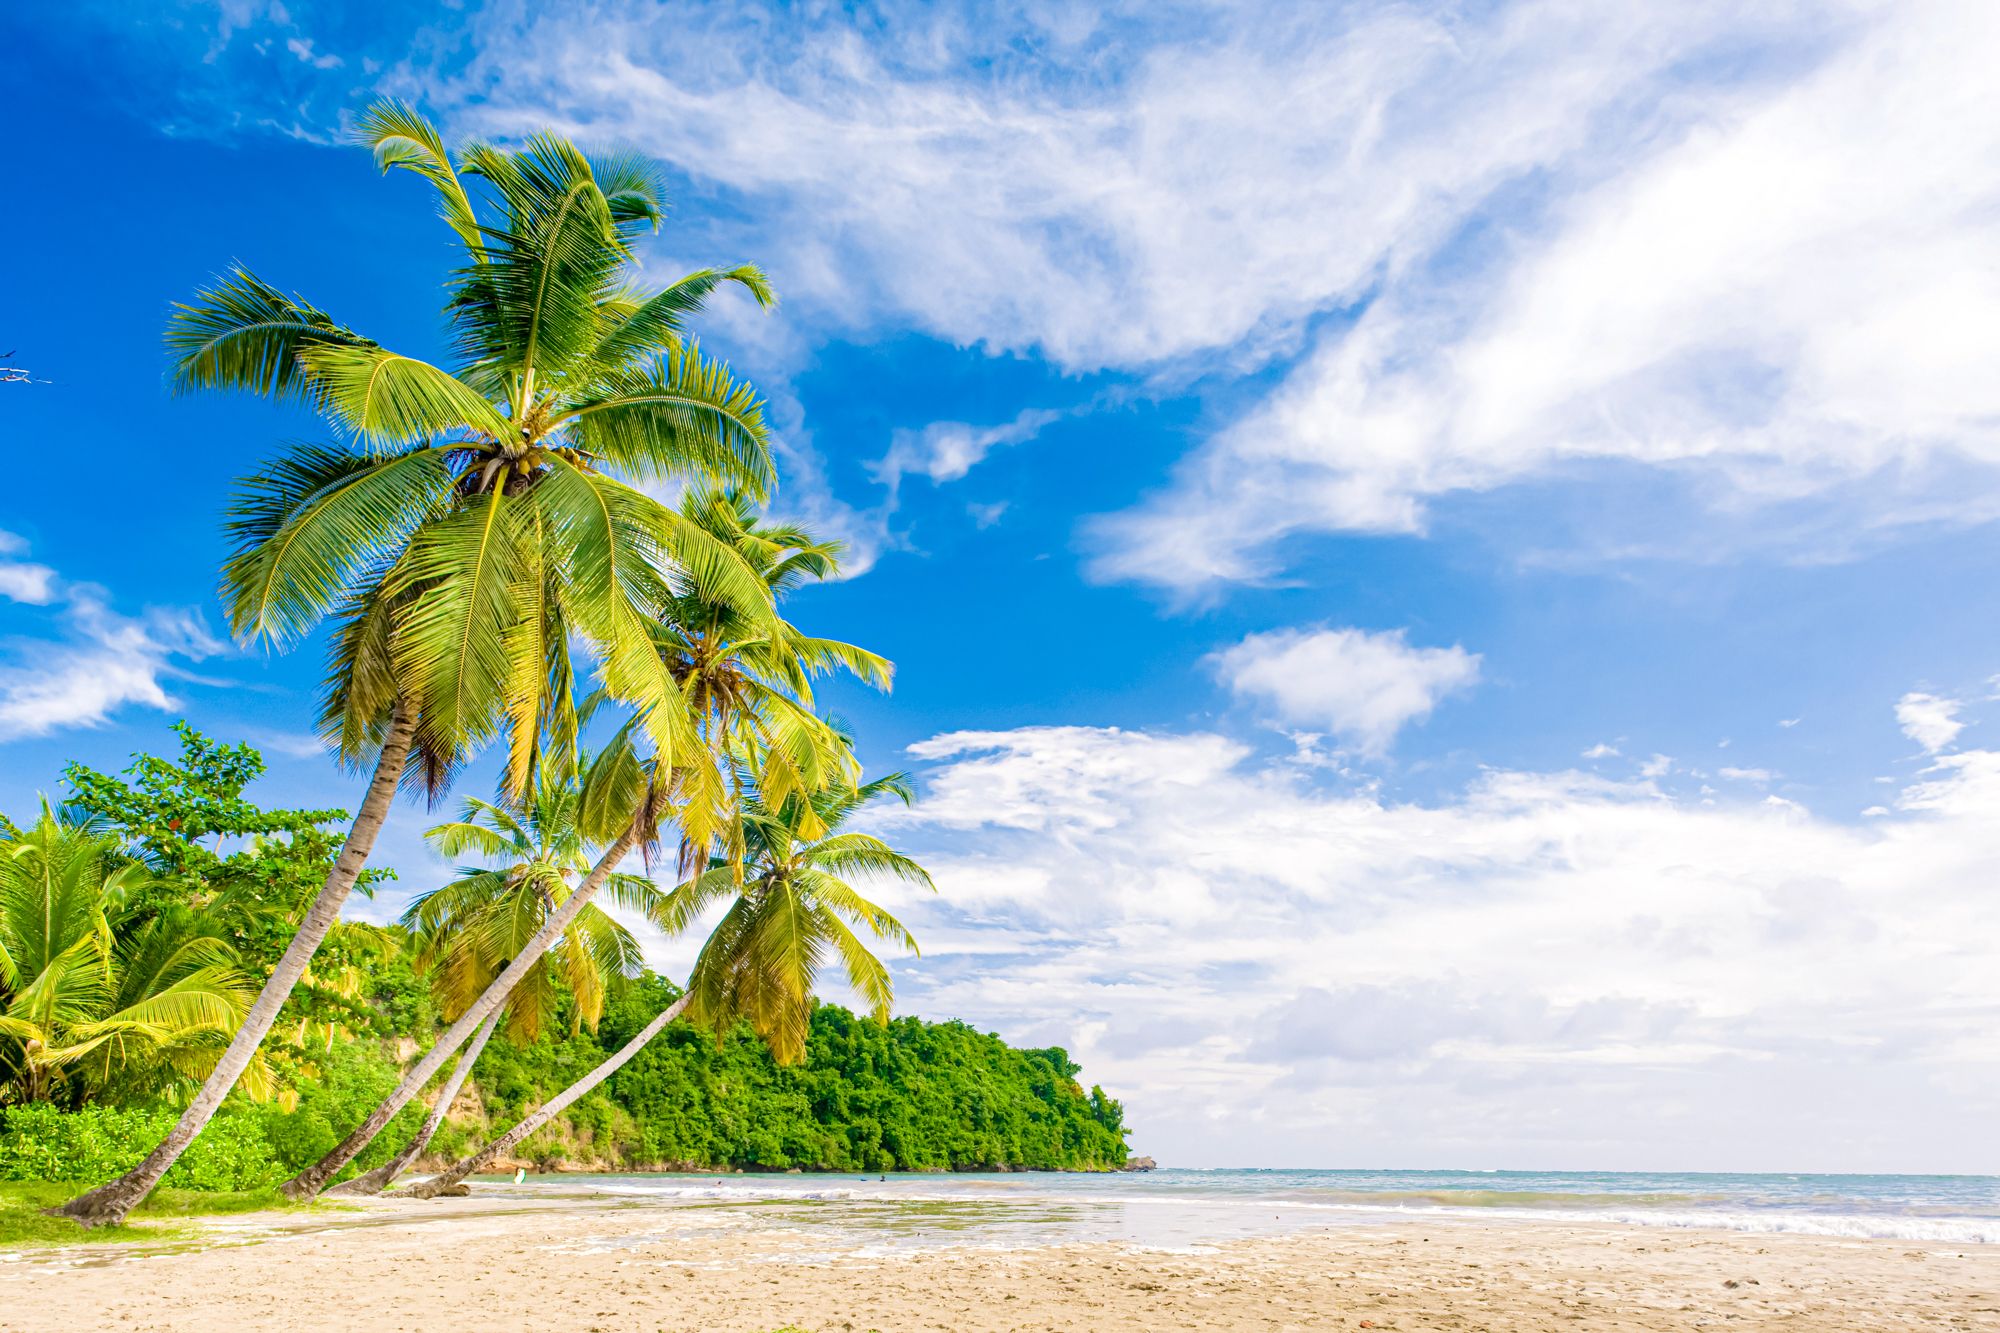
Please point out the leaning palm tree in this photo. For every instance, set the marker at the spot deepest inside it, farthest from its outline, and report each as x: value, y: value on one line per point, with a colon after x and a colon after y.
x: 749, y: 680
x: 97, y: 1001
x: 746, y: 679
x: 794, y: 914
x: 473, y: 521
x: 469, y: 930
x: 624, y: 799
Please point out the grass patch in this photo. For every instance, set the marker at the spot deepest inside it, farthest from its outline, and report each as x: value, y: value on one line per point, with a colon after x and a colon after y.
x: 164, y: 1216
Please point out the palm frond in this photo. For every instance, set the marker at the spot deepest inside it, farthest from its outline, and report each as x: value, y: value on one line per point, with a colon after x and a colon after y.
x: 311, y: 521
x: 243, y: 333
x: 686, y: 418
x: 387, y: 398
x: 657, y: 325
x: 401, y: 137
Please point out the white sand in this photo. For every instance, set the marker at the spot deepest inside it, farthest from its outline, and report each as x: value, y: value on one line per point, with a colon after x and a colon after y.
x: 496, y: 1264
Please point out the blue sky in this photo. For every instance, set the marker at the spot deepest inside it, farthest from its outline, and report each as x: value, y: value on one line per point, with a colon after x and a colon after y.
x: 1437, y: 555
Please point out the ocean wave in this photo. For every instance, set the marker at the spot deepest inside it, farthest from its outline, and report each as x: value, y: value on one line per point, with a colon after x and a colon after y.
x: 1821, y: 1216
x: 1859, y: 1226
x: 1505, y: 1198
x: 733, y: 1193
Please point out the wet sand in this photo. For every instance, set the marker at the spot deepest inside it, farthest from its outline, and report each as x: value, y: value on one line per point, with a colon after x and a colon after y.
x: 578, y: 1264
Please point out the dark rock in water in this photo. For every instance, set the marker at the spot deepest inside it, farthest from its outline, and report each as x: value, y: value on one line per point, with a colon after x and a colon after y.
x: 1140, y: 1164
x: 459, y: 1191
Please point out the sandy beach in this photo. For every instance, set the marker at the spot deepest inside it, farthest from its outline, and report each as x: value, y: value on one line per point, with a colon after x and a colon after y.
x: 582, y: 1264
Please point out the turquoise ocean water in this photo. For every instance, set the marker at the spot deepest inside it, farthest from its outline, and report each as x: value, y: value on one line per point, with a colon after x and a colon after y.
x: 1183, y: 1207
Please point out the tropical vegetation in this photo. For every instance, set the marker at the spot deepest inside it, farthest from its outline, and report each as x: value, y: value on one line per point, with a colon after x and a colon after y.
x: 856, y: 1093
x: 482, y: 544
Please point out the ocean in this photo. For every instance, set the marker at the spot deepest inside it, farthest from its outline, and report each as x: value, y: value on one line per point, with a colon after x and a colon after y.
x: 1174, y: 1208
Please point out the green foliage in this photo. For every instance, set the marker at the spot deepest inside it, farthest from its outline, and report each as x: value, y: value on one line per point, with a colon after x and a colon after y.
x: 99, y: 999
x: 352, y: 1077
x: 219, y: 865
x: 245, y: 1147
x: 902, y: 1096
x: 905, y: 1096
x: 45, y: 1143
x: 178, y: 848
x: 209, y: 846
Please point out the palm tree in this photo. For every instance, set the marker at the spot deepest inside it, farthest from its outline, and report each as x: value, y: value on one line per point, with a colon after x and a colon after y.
x: 794, y: 914
x: 97, y: 1000
x: 748, y: 680
x: 745, y: 677
x: 468, y: 931
x: 622, y: 802
x: 473, y: 520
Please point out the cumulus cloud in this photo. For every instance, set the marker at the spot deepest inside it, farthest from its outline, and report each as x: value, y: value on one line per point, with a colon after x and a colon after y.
x: 1540, y: 969
x: 1362, y: 686
x: 100, y: 661
x: 1928, y: 719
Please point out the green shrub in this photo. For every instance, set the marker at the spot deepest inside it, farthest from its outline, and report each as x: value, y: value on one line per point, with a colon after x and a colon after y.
x: 352, y: 1079
x: 94, y: 1144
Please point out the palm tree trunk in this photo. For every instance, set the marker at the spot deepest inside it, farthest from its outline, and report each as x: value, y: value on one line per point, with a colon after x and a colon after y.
x: 465, y: 1166
x: 308, y: 1183
x: 108, y: 1204
x: 374, y: 1182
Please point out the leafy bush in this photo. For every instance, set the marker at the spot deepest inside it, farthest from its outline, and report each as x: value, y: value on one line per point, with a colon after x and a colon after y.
x: 351, y: 1079
x: 45, y: 1143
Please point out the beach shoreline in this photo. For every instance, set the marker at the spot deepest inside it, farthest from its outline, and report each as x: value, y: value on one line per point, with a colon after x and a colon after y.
x: 578, y: 1260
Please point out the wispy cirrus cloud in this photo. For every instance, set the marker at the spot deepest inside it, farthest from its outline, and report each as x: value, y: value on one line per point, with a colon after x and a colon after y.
x: 97, y: 662
x: 1738, y: 243
x: 947, y: 450
x: 1775, y: 297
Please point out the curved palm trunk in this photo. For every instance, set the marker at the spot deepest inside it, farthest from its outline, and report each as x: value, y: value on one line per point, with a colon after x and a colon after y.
x: 108, y: 1204
x: 308, y: 1183
x: 374, y: 1182
x: 465, y: 1166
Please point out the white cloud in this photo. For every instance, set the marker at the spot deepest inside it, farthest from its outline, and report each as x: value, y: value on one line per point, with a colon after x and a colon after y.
x: 947, y: 450
x: 303, y: 48
x: 103, y: 660
x: 1928, y: 719
x: 1601, y: 750
x: 1758, y: 775
x: 1118, y: 195
x: 1546, y: 968
x: 22, y: 580
x: 1360, y: 685
x: 1741, y: 242
x: 1781, y: 294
